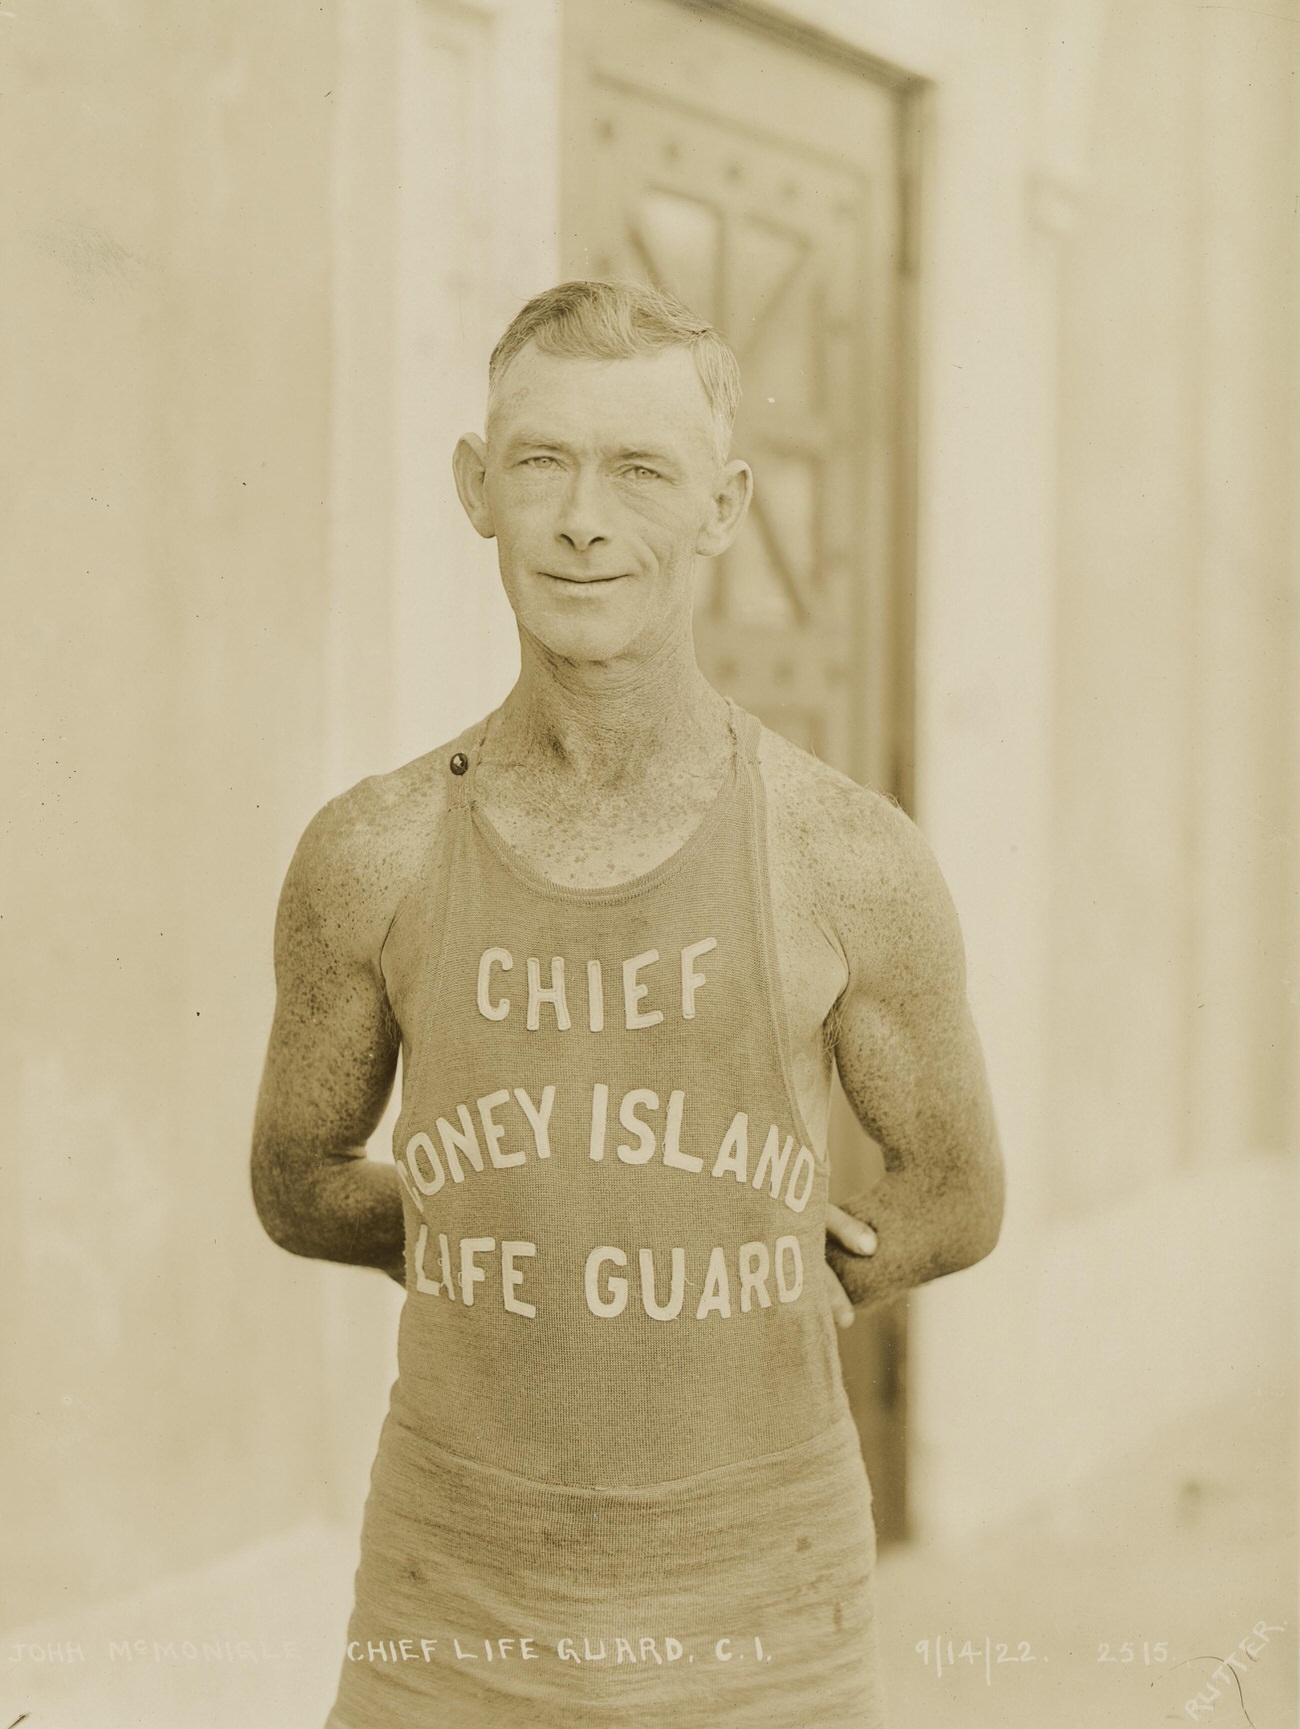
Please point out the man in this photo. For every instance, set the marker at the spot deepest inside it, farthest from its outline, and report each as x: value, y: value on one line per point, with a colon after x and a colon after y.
x: 619, y: 933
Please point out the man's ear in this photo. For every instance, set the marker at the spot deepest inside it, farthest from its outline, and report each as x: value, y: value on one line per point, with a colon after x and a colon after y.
x: 469, y: 466
x: 730, y: 502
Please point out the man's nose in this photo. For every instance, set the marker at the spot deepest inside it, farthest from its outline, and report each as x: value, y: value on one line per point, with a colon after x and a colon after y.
x: 582, y: 523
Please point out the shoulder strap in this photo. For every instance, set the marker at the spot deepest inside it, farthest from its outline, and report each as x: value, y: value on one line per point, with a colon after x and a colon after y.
x: 746, y: 729
x: 459, y: 767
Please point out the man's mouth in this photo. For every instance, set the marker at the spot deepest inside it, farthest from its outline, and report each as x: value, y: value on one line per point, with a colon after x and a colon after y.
x: 587, y: 581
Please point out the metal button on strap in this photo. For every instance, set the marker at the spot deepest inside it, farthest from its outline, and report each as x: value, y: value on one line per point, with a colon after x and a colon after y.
x: 459, y: 763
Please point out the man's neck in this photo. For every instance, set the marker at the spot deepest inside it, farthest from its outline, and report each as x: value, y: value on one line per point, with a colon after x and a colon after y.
x: 611, y: 725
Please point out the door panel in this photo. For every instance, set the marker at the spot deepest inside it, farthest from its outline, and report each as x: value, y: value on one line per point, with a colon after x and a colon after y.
x: 764, y: 185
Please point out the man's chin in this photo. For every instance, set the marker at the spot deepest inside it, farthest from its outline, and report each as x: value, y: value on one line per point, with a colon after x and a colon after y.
x: 581, y: 641
x: 578, y: 648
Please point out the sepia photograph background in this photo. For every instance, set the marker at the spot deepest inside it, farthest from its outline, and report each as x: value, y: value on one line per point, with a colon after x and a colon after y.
x: 1013, y: 286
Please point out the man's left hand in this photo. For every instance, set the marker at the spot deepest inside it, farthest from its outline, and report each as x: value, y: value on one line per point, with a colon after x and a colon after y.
x: 858, y: 1239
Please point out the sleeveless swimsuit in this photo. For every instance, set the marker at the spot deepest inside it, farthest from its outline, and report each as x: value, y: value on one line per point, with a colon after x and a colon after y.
x: 618, y: 1479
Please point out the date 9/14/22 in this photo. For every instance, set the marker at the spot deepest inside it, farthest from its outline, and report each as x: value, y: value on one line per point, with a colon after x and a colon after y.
x: 942, y: 1653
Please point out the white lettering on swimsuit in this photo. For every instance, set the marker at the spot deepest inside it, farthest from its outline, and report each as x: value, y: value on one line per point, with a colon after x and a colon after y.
x: 494, y: 1000
x: 651, y: 1129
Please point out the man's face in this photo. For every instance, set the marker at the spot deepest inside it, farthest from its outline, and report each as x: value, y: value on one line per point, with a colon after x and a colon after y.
x: 601, y: 483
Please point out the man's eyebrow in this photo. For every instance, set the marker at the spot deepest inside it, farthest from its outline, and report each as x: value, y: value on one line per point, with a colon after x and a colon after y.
x: 536, y: 441
x: 661, y: 457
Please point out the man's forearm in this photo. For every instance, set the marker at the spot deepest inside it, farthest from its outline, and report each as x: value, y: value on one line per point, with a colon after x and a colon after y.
x: 342, y: 1207
x: 920, y: 1235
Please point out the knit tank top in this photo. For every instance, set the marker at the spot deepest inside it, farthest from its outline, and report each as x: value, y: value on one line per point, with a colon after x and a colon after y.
x: 618, y: 1453
x: 615, y: 1214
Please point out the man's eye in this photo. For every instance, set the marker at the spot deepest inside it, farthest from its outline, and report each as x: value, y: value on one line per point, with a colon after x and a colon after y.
x: 639, y: 471
x: 540, y: 462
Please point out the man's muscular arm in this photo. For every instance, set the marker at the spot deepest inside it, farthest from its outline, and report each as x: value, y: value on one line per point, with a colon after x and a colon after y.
x: 910, y: 1062
x: 332, y: 1054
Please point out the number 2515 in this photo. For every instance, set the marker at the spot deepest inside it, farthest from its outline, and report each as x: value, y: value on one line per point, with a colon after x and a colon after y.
x: 1127, y: 1653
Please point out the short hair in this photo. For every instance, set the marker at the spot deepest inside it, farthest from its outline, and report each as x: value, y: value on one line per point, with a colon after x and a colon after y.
x: 614, y: 320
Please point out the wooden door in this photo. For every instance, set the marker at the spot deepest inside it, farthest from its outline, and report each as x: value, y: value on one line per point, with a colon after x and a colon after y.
x: 761, y: 174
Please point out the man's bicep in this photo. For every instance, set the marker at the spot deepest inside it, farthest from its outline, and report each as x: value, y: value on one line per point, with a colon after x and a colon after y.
x: 332, y: 1053
x: 906, y: 1046
x: 329, y: 1069
x: 914, y: 1075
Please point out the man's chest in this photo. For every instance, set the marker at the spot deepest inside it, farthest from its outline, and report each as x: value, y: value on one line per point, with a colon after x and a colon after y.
x: 603, y: 841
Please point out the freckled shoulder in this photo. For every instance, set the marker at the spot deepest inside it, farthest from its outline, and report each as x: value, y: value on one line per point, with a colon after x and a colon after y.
x: 361, y: 855
x: 860, y: 865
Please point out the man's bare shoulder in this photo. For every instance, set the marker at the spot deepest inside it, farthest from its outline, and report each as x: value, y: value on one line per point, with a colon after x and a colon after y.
x: 362, y: 852
x: 865, y: 866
